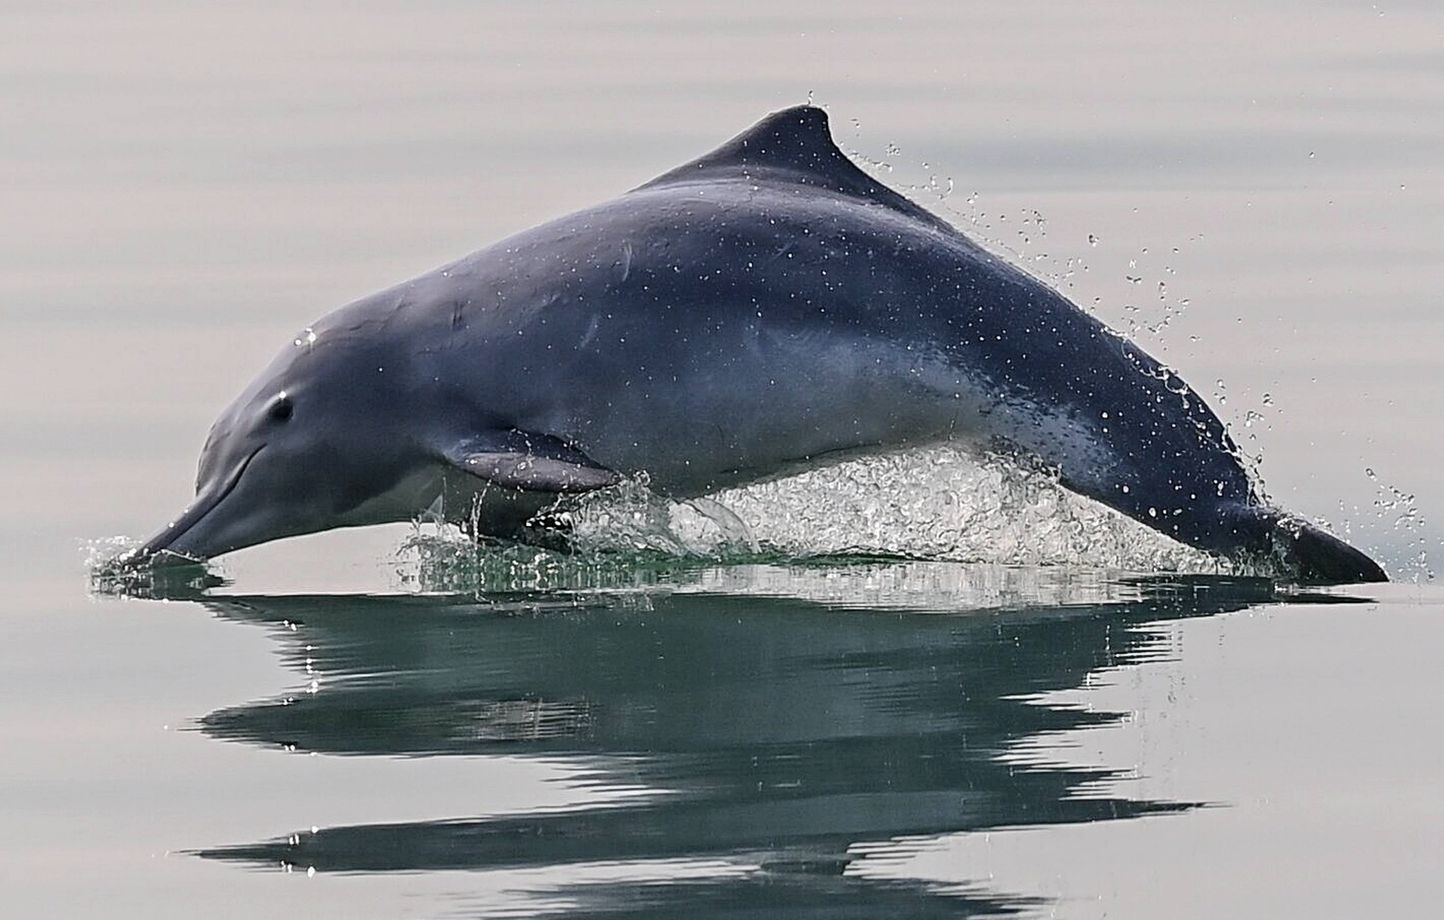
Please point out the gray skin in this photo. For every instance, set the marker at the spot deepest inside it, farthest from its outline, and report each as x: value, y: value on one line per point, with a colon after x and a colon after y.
x: 766, y: 307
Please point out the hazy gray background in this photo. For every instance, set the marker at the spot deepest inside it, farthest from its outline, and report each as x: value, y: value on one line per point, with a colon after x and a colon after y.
x: 183, y: 186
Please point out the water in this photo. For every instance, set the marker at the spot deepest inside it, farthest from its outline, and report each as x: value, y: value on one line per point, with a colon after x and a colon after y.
x: 1253, y: 193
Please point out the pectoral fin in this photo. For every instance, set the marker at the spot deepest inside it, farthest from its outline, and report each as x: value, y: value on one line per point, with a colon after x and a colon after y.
x: 529, y: 462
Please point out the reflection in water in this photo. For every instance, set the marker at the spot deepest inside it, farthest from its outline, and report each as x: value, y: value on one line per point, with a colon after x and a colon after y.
x: 774, y: 737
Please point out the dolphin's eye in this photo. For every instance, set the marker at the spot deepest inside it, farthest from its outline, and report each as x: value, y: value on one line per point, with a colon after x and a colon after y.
x: 281, y: 410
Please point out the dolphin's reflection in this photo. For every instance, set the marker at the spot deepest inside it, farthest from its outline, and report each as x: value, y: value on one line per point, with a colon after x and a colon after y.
x: 785, y: 730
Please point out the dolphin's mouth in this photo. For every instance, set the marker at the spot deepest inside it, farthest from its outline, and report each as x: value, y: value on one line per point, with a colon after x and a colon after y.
x: 158, y: 547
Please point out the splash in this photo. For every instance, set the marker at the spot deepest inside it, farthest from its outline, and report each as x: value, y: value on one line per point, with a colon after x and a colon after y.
x: 101, y: 553
x: 441, y: 560
x: 1399, y: 510
x: 111, y: 576
x: 938, y: 504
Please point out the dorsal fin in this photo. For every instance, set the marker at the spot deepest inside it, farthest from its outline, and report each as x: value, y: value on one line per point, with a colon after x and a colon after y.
x: 794, y: 146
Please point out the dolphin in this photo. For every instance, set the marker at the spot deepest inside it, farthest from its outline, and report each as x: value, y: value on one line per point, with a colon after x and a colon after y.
x: 766, y: 307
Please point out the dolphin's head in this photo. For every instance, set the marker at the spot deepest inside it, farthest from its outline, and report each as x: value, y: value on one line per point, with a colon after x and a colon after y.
x: 315, y: 442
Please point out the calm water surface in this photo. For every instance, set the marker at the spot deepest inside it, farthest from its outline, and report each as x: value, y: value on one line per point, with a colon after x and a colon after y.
x: 1255, y: 193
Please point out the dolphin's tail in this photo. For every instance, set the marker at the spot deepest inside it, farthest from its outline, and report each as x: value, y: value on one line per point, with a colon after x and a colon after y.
x: 1308, y: 553
x: 1322, y: 558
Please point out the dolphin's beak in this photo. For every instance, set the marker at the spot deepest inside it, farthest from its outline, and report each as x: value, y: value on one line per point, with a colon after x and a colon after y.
x: 177, y: 543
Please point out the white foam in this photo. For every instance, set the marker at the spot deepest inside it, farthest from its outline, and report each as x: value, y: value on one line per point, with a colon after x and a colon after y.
x: 939, y: 503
